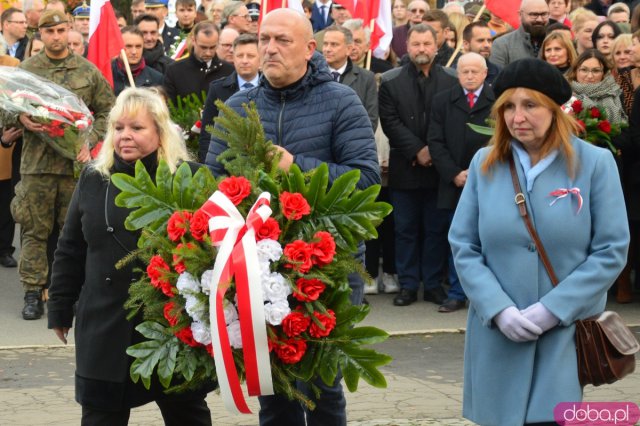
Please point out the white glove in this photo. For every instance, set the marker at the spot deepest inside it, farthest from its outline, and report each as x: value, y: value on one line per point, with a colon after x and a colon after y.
x: 515, y: 326
x: 540, y: 316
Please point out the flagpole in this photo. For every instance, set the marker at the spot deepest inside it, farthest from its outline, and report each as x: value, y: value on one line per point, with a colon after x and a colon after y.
x: 371, y: 27
x: 455, y: 52
x: 127, y: 68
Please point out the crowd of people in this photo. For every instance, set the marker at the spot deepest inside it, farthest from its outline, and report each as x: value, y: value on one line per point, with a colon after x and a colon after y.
x: 400, y: 117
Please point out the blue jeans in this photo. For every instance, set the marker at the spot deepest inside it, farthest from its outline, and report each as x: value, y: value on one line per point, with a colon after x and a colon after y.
x: 455, y: 291
x: 421, y: 238
x: 277, y: 410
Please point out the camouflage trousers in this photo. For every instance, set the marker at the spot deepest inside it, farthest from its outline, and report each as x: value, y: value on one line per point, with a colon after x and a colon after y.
x: 40, y: 202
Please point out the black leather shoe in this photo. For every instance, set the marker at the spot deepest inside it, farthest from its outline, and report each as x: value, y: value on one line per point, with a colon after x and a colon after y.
x: 436, y: 295
x: 451, y: 305
x: 405, y: 297
x: 8, y: 261
x: 33, y: 305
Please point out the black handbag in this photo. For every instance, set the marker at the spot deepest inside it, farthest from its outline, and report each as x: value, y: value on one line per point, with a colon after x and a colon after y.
x: 605, y: 346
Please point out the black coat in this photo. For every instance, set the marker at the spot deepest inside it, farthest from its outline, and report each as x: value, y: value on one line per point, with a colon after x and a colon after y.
x: 191, y: 75
x: 84, y: 272
x: 452, y: 143
x: 404, y: 102
x: 22, y: 48
x: 221, y: 89
x: 147, y: 78
x: 169, y: 36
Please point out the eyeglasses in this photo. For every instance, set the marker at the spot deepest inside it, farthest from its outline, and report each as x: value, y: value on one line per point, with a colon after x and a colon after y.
x: 246, y: 17
x: 18, y: 22
x: 592, y: 71
x: 417, y: 11
x: 534, y: 16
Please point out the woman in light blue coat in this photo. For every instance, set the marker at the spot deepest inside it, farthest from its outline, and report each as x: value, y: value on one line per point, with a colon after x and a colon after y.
x: 520, y: 357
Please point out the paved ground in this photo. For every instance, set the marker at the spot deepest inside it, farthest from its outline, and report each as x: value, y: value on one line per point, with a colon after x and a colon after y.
x: 424, y: 380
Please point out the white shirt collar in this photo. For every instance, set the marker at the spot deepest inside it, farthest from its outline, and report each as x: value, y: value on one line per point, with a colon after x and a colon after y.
x: 476, y: 93
x: 254, y: 81
x: 341, y: 69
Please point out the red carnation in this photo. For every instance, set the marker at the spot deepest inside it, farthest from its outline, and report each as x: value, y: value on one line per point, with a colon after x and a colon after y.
x: 300, y: 253
x: 178, y: 263
x: 186, y: 336
x: 328, y: 321
x: 308, y: 290
x: 577, y: 106
x: 209, y: 348
x: 177, y: 225
x: 295, y: 324
x: 291, y: 351
x: 157, y: 269
x: 294, y: 206
x: 605, y: 126
x: 270, y: 229
x: 168, y: 308
x: 583, y: 127
x: 595, y: 112
x: 199, y: 225
x: 235, y: 188
x: 324, y: 248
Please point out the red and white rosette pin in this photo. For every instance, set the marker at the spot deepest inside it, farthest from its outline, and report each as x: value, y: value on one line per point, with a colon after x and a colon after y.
x: 238, y: 259
x: 563, y: 192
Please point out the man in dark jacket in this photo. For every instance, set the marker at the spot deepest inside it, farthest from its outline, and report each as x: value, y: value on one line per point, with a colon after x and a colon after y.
x: 405, y: 99
x: 14, y: 30
x: 153, y: 52
x: 247, y: 64
x: 312, y: 120
x: 160, y: 9
x: 439, y: 21
x: 337, y: 43
x: 194, y: 73
x: 453, y: 144
x: 143, y: 76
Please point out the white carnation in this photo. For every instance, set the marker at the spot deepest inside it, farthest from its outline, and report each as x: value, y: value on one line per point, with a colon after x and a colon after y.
x: 205, y: 281
x: 265, y: 267
x: 275, y: 287
x: 195, y: 308
x: 42, y: 112
x: 230, y: 312
x: 276, y: 312
x: 269, y: 250
x: 235, y: 337
x: 187, y: 283
x: 201, y: 333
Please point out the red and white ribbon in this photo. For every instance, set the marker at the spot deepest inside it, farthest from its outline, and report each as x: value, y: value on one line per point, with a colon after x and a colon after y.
x: 563, y: 192
x: 238, y: 259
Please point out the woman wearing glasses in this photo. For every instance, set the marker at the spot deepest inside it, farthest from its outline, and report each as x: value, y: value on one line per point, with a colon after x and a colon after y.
x: 594, y: 85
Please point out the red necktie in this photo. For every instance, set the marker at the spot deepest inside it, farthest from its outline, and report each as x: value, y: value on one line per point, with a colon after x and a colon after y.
x: 471, y: 96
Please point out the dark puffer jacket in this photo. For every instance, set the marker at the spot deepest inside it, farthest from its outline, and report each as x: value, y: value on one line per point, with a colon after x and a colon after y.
x: 317, y: 120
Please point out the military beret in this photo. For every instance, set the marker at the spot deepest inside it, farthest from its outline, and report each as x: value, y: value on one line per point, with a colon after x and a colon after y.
x: 51, y: 18
x: 156, y: 3
x: 534, y: 74
x: 82, y: 11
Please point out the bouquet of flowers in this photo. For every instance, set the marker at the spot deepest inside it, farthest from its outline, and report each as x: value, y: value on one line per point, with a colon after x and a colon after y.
x: 594, y: 125
x: 66, y: 118
x: 252, y: 270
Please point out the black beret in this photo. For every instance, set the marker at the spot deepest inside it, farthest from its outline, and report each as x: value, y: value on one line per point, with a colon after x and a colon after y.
x: 533, y: 74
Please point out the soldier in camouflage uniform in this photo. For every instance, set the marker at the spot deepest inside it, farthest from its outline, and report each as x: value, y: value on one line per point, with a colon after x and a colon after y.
x: 47, y: 182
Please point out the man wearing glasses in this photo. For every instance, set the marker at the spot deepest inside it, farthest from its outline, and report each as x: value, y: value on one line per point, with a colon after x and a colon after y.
x: 236, y: 16
x: 415, y: 12
x: 524, y: 42
x: 14, y: 31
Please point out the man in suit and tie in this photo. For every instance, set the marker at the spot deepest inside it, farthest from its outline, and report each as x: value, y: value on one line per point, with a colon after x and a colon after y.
x: 246, y: 62
x: 321, y: 15
x: 452, y: 144
x: 338, y: 43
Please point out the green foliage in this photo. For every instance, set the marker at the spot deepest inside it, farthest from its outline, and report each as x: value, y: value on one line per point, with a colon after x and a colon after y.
x: 185, y: 112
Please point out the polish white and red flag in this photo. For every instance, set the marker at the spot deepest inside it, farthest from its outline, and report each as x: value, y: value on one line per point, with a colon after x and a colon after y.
x: 507, y: 10
x: 105, y: 39
x: 376, y: 15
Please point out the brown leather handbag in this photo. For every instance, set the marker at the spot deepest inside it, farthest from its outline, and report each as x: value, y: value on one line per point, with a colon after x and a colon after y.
x: 605, y: 346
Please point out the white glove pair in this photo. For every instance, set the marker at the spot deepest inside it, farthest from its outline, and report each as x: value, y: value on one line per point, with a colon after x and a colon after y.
x: 526, y: 325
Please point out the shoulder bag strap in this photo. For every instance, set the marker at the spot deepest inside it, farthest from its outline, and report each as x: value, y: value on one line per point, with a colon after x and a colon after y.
x: 522, y: 207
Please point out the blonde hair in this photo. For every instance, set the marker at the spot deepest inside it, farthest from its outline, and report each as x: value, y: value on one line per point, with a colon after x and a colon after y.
x: 131, y: 101
x: 564, y: 42
x: 580, y: 17
x: 623, y: 40
x: 458, y: 21
x: 563, y: 126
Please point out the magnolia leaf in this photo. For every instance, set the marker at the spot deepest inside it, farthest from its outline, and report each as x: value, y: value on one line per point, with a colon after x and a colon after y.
x: 142, y: 367
x: 327, y: 368
x: 182, y: 190
x: 152, y: 330
x: 145, y: 216
x: 366, y: 335
x: 483, y: 130
x: 341, y: 188
x: 203, y: 185
x: 167, y: 364
x: 357, y: 363
x: 317, y: 187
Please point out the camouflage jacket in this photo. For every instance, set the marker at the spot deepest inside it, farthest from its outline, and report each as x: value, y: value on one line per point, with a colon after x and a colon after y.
x: 81, y: 77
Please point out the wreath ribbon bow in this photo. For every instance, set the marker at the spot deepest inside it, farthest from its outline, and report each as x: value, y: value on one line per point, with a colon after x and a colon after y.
x: 237, y: 259
x: 564, y: 192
